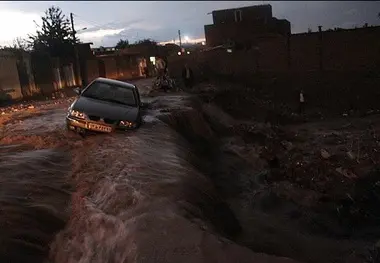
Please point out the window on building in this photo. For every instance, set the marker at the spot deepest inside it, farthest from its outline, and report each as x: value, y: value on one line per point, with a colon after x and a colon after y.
x: 238, y: 16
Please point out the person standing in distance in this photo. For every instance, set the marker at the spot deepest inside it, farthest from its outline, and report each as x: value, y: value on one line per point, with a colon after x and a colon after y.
x: 188, y: 77
x: 301, y: 103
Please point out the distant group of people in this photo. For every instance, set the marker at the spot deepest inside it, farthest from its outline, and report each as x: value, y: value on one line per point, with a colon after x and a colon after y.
x: 163, y: 73
x: 188, y: 79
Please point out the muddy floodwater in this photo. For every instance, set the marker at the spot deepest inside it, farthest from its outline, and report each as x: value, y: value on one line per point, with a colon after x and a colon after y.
x: 182, y: 188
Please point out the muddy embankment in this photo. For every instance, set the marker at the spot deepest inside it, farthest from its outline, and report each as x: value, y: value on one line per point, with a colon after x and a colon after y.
x: 315, y: 189
x: 195, y: 184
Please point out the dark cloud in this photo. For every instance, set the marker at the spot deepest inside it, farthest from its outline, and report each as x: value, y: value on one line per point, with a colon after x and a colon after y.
x: 161, y: 20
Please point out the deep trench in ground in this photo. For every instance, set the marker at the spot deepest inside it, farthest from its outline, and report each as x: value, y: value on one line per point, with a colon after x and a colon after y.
x: 253, y: 214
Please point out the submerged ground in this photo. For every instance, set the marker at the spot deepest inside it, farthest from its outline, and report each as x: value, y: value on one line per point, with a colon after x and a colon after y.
x: 210, y: 177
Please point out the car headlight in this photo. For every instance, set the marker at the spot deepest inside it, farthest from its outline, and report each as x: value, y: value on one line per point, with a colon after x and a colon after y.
x: 127, y: 124
x: 77, y: 114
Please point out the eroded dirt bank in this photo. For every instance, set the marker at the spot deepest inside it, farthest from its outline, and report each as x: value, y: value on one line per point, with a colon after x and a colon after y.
x: 319, y: 179
x: 195, y: 184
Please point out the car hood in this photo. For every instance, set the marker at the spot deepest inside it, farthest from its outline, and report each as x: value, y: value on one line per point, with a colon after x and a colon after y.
x: 105, y: 109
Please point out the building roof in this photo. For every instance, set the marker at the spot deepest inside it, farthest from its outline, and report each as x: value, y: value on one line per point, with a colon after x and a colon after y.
x: 243, y: 7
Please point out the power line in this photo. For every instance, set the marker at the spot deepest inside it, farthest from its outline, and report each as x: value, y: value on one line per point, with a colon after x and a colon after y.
x: 87, y: 22
x: 103, y: 26
x: 108, y: 26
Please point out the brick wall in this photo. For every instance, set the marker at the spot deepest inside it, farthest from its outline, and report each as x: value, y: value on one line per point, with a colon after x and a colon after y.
x: 304, y: 52
x: 336, y: 50
x: 352, y: 50
x: 350, y: 60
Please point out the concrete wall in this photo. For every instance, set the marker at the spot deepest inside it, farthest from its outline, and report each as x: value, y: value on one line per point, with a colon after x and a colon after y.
x: 120, y: 67
x: 30, y: 89
x: 10, y: 87
x: 43, y: 66
x: 92, y: 70
x: 24, y: 75
x: 111, y: 69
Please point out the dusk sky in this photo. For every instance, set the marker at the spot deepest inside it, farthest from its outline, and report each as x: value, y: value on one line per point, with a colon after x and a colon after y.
x: 109, y: 21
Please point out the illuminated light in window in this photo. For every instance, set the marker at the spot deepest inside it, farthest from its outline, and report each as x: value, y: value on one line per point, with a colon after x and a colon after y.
x: 179, y: 53
x: 188, y: 52
x: 229, y: 50
x: 153, y: 60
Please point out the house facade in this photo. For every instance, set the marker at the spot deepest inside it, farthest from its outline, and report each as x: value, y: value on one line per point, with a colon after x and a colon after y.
x: 241, y: 26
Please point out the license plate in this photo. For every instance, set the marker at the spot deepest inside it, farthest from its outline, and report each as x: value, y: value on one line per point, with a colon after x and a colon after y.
x: 98, y: 127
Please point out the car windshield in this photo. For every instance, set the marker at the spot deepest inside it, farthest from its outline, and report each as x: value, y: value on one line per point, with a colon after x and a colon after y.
x: 111, y: 93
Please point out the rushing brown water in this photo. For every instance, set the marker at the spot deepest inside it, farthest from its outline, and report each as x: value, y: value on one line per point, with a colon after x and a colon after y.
x: 34, y: 201
x: 137, y: 196
x: 151, y: 195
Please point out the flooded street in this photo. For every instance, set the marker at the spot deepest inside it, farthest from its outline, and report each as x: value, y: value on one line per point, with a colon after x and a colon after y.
x: 167, y: 192
x: 135, y: 195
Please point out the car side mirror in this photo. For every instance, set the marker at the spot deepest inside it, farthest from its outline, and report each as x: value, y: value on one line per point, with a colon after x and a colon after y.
x: 78, y: 91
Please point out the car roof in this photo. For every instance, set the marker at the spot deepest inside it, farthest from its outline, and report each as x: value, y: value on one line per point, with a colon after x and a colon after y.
x: 115, y: 82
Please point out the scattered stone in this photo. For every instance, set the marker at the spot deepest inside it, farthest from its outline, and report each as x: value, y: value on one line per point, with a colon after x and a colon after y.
x: 78, y: 144
x: 325, y: 154
x: 31, y: 107
x: 346, y: 173
x: 351, y: 155
x: 287, y: 145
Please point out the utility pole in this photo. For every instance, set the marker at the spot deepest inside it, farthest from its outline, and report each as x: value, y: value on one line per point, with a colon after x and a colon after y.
x: 179, y: 37
x: 77, y: 64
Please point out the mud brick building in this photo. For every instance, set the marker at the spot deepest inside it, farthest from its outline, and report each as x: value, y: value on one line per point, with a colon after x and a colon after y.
x: 243, y: 25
